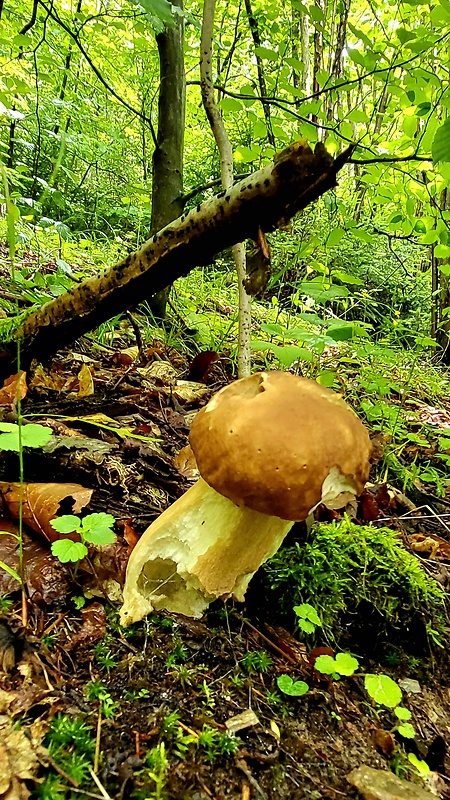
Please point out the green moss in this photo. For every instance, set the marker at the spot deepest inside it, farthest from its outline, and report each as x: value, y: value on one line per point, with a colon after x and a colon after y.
x: 345, y: 569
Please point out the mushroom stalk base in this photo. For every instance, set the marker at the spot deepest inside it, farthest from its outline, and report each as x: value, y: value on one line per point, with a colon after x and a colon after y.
x: 201, y: 548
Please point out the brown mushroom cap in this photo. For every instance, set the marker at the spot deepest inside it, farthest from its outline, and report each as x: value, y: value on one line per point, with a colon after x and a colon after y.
x: 269, y: 441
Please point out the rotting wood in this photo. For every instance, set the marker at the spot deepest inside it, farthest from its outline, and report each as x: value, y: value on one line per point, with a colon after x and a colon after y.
x: 267, y: 199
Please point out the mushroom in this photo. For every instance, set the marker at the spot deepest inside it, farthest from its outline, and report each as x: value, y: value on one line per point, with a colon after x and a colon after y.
x: 269, y: 449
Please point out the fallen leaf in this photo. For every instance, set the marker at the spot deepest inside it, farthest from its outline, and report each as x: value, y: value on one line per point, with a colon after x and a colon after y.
x: 41, y: 503
x: 45, y: 578
x: 93, y: 627
x: 13, y: 388
x: 86, y: 382
x: 127, y: 356
x: 436, y: 548
x: 186, y: 464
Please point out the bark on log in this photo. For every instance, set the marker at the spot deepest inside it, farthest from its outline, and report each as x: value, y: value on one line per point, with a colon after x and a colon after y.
x: 267, y: 199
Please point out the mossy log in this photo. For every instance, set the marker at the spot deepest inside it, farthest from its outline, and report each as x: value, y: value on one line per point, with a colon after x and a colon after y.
x: 267, y: 199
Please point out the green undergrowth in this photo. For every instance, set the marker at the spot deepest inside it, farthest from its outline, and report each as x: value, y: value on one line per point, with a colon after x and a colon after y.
x: 360, y: 579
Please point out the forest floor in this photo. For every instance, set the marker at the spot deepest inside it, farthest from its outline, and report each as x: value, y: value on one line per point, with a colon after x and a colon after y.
x: 92, y: 710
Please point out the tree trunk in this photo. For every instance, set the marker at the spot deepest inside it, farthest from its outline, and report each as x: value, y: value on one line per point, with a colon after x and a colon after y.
x: 167, y: 171
x: 226, y: 170
x: 254, y: 30
x: 264, y: 201
x: 318, y: 53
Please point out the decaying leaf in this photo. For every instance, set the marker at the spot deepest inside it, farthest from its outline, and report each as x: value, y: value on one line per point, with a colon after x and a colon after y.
x: 41, y: 502
x: 13, y: 388
x: 44, y: 577
x: 93, y: 628
x: 434, y: 547
x: 186, y: 463
x: 18, y: 758
x: 86, y: 382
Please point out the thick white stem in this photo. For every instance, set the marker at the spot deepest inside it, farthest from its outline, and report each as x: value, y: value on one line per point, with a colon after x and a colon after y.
x: 201, y: 548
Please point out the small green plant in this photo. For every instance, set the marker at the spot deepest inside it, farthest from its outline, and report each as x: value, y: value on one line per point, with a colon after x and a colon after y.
x: 93, y: 529
x: 102, y: 653
x: 343, y: 664
x: 5, y: 603
x: 209, y: 701
x: 215, y: 743
x: 420, y: 766
x: 178, y: 655
x: 289, y: 686
x: 71, y: 744
x: 256, y: 661
x: 96, y: 690
x: 307, y: 618
x: 157, y: 765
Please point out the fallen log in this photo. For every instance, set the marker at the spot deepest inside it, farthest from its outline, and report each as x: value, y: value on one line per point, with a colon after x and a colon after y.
x: 267, y: 199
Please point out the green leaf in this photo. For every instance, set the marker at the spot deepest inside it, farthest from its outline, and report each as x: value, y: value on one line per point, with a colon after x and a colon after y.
x: 326, y: 378
x: 346, y: 277
x: 273, y: 329
x: 440, y: 149
x: 66, y: 550
x: 325, y: 664
x: 10, y: 570
x: 230, y: 104
x: 335, y: 237
x: 345, y: 664
x: 442, y: 251
x: 98, y: 520
x: 421, y: 766
x: 266, y: 52
x: 33, y: 435
x: 160, y: 12
x: 426, y: 341
x: 430, y: 237
x: 342, y: 333
x: 383, y: 690
x: 100, y: 536
x: 307, y: 611
x: 306, y: 626
x: 316, y: 13
x: 402, y: 713
x: 66, y: 524
x: 362, y: 235
x: 407, y: 730
x: 290, y: 353
x: 293, y: 688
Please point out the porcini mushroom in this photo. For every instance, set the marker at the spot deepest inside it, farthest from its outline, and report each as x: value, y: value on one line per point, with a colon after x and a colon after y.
x: 269, y: 449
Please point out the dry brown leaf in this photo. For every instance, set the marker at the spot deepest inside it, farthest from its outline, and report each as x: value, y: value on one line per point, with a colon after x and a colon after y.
x: 18, y: 760
x: 160, y: 373
x: 41, y: 503
x: 43, y: 379
x: 186, y: 464
x: 93, y: 628
x: 86, y: 381
x: 14, y: 387
x: 44, y: 576
x: 191, y: 392
x: 434, y: 546
x: 127, y: 356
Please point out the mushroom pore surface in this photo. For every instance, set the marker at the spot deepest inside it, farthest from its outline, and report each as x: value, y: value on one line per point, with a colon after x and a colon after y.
x: 269, y: 441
